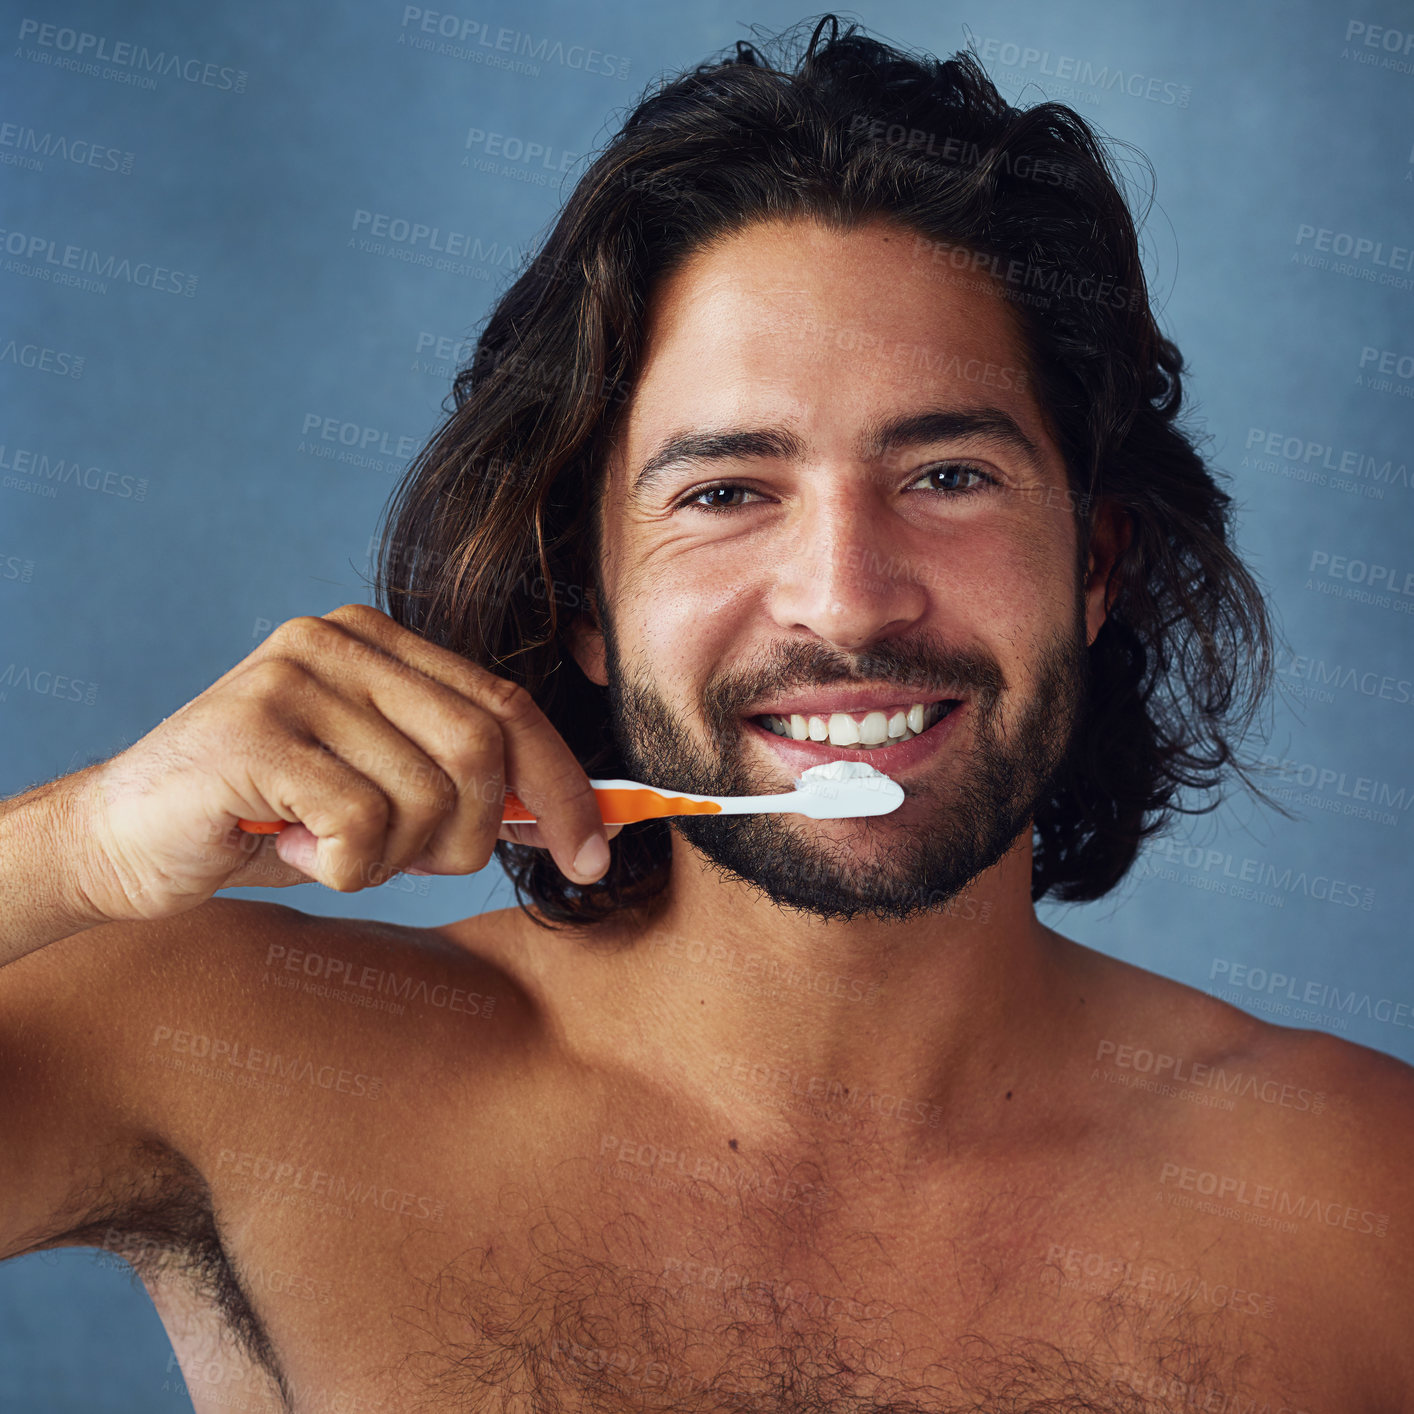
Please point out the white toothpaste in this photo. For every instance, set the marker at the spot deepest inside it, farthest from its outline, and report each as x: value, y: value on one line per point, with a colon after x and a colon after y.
x: 838, y: 771
x: 850, y: 788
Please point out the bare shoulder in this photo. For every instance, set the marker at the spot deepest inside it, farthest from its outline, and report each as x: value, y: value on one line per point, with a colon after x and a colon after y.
x: 390, y: 995
x: 87, y: 1025
x: 233, y: 1024
x: 1366, y: 1144
x: 1175, y: 1034
x: 233, y: 958
x: 1347, y: 1191
x: 1296, y: 1145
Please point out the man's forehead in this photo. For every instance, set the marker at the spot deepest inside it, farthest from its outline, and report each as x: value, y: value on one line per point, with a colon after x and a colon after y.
x: 812, y: 335
x: 824, y: 288
x: 794, y: 326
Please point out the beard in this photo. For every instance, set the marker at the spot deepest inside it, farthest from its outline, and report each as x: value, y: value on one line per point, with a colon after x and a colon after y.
x: 970, y: 819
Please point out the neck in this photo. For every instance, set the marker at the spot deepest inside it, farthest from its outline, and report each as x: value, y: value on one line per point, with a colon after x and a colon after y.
x: 724, y: 994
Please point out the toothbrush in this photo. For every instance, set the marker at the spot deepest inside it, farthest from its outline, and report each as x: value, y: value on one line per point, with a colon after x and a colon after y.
x: 834, y: 790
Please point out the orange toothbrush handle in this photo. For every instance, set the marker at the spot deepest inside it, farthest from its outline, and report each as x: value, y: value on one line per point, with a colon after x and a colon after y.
x: 617, y: 806
x: 511, y: 811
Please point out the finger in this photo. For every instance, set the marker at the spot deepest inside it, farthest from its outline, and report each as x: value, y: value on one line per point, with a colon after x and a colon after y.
x: 386, y: 722
x: 438, y: 767
x: 529, y: 834
x: 368, y: 794
x: 536, y: 761
x: 265, y: 863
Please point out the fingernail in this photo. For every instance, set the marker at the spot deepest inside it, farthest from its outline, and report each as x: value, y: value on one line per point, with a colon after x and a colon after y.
x: 592, y: 859
x: 304, y: 853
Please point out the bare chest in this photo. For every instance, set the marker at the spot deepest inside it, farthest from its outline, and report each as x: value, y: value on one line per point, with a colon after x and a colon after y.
x: 642, y: 1276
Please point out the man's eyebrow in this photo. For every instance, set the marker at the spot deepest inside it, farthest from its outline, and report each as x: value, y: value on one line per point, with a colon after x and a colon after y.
x: 991, y: 424
x: 708, y: 446
x: 908, y: 430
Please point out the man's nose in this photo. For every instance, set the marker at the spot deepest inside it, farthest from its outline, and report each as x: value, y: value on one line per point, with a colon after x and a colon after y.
x: 845, y: 573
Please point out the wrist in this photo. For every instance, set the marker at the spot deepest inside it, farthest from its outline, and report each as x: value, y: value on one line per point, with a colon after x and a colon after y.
x: 41, y: 899
x: 78, y: 858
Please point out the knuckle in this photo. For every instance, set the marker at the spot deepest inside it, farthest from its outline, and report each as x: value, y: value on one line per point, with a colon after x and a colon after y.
x: 471, y: 748
x: 510, y: 701
x: 570, y: 788
x: 363, y: 817
x: 428, y: 792
x: 300, y: 634
x: 365, y: 869
x: 468, y: 855
x: 359, y: 616
x: 415, y: 829
x: 553, y: 798
x: 347, y: 879
x: 333, y: 868
x: 277, y: 677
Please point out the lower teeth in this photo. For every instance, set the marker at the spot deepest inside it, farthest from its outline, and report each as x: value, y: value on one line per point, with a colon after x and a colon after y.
x: 875, y: 746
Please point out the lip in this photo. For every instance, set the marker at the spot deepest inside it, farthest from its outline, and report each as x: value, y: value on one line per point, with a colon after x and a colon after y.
x: 818, y: 704
x: 800, y: 755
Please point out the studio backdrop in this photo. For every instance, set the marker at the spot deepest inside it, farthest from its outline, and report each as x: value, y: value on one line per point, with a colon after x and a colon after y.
x: 245, y: 248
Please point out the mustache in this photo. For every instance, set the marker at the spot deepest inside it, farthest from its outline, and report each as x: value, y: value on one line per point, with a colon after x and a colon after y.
x: 924, y: 665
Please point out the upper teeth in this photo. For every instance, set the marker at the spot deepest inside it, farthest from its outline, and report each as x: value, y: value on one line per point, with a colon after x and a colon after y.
x: 862, y: 729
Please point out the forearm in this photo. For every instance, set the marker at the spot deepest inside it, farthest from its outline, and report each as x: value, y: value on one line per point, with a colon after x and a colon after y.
x: 41, y: 896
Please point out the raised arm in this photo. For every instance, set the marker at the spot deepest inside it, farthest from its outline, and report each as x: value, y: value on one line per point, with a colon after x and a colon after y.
x: 383, y: 750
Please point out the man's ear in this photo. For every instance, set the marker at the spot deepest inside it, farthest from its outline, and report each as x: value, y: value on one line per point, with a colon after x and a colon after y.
x: 1109, y: 539
x: 587, y: 642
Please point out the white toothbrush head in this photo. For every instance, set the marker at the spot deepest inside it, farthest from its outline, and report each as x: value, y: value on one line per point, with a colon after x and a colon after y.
x: 841, y: 790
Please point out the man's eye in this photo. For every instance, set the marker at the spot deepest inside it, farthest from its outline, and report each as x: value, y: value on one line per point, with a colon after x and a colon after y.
x: 959, y: 477
x: 717, y: 494
x: 956, y: 476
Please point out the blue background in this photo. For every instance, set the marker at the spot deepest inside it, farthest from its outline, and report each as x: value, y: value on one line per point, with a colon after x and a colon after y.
x: 218, y: 508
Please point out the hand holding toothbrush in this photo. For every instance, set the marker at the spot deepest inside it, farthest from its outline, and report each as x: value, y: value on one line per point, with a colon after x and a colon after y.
x: 835, y: 790
x: 359, y: 750
x: 370, y: 749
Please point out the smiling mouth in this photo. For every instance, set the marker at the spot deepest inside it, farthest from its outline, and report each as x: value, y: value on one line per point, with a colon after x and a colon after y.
x: 861, y: 731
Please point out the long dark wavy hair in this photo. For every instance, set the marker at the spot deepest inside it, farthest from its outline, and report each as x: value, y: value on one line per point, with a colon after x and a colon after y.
x: 488, y: 549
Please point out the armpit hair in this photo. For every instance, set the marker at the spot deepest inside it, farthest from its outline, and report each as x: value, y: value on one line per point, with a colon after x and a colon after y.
x: 159, y: 1217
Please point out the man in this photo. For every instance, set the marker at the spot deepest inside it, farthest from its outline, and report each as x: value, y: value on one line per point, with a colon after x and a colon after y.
x: 831, y: 423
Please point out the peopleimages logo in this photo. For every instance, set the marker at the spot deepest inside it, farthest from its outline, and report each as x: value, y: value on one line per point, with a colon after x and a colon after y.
x: 1084, y: 73
x: 432, y: 247
x: 61, y: 471
x: 1179, y: 1070
x: 1397, y: 579
x: 46, y: 683
x: 1379, y: 45
x: 28, y: 147
x: 1278, y: 988
x: 1362, y: 248
x: 459, y: 37
x: 44, y: 258
x: 1320, y: 457
x: 1281, y: 1202
x: 1343, y: 792
x: 1316, y: 673
x: 1262, y: 874
x: 59, y: 362
x: 80, y: 50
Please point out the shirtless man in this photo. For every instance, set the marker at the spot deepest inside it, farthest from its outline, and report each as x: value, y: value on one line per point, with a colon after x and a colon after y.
x: 764, y: 1113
